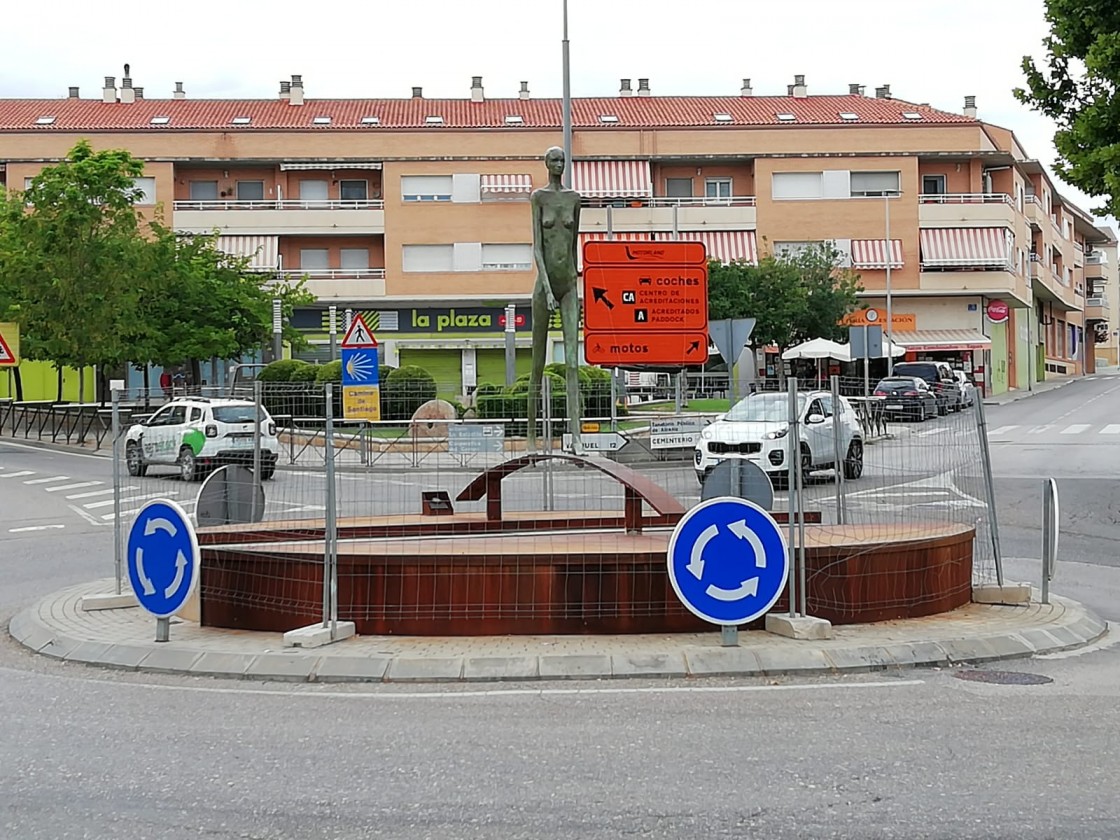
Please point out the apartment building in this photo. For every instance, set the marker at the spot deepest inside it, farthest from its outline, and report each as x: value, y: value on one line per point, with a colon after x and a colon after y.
x: 415, y: 210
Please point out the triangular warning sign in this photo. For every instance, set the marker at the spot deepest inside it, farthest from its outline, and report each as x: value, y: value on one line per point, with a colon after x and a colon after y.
x: 359, y: 335
x: 7, y: 356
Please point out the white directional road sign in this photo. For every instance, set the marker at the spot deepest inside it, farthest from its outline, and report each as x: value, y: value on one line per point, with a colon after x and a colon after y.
x: 597, y: 442
x: 163, y: 558
x: 728, y: 561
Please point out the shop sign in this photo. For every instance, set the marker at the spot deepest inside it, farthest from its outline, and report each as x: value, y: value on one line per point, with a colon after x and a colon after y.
x: 900, y: 321
x: 428, y: 320
x: 998, y: 311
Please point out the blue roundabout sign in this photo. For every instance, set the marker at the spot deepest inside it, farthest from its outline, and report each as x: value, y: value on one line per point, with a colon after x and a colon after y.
x: 163, y: 558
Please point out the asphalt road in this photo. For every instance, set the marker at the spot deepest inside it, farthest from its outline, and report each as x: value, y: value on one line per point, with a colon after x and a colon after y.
x: 96, y: 754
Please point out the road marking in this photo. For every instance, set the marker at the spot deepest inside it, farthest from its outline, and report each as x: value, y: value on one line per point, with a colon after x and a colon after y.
x: 18, y: 474
x: 41, y: 449
x: 128, y: 500
x: 1113, y: 429
x: 48, y: 480
x: 87, y: 517
x: 938, y: 432
x: 1038, y: 430
x: 77, y: 486
x: 1001, y: 430
x: 90, y: 493
x: 1108, y: 640
x: 1075, y: 429
x: 34, y: 528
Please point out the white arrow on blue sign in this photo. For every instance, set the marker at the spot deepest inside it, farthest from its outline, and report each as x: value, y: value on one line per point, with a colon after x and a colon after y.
x: 728, y: 561
x: 163, y: 558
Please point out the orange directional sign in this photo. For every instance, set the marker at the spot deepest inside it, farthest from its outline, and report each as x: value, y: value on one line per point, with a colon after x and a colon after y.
x: 653, y: 298
x: 625, y: 349
x: 645, y: 303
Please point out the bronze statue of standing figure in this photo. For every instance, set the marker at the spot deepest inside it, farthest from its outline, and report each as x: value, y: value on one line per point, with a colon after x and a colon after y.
x: 555, y: 254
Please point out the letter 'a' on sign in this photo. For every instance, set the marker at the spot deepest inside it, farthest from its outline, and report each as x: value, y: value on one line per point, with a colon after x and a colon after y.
x: 359, y: 334
x: 9, y: 345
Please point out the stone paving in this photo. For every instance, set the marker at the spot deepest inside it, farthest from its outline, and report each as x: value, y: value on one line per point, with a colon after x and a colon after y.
x: 124, y: 638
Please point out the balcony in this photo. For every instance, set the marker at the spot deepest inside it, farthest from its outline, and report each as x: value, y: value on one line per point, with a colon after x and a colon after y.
x: 1097, y: 309
x: 280, y: 217
x: 657, y: 214
x: 1047, y: 285
x: 966, y: 210
x: 351, y: 284
x: 1032, y: 209
x: 997, y: 283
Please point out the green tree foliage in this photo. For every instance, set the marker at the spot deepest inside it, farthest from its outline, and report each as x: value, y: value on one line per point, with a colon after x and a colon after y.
x: 1079, y: 88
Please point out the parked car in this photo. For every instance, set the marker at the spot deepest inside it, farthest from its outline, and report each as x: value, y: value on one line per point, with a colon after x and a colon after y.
x: 197, y: 434
x: 940, y: 378
x: 907, y: 397
x: 968, y: 390
x: 756, y: 429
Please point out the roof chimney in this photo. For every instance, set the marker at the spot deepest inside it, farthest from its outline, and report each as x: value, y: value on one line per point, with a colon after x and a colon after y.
x: 418, y: 93
x: 799, y: 89
x: 883, y: 92
x: 109, y: 92
x: 295, y: 94
x: 624, y: 88
x: 970, y: 106
x: 477, y: 94
x: 285, y: 90
x: 139, y: 93
x: 789, y: 90
x: 524, y: 92
x: 746, y: 89
x: 855, y: 89
x: 179, y: 92
x: 643, y: 87
x: 127, y: 93
x: 73, y: 93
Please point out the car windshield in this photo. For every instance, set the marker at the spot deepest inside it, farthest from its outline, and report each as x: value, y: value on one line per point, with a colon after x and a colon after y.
x: 895, y: 385
x: 236, y: 413
x: 764, y: 408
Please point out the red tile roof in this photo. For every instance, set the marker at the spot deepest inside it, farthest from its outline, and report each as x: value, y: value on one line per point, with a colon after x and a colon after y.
x: 632, y: 112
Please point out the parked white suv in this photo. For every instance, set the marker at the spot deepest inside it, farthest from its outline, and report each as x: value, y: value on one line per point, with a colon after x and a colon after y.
x: 756, y: 429
x: 197, y: 434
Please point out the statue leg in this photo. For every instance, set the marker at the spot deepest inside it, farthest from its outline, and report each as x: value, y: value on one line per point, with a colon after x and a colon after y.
x: 569, y: 319
x: 540, y: 346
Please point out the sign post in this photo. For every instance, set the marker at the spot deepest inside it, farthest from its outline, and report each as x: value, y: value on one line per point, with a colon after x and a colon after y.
x: 361, y: 391
x: 730, y: 336
x: 163, y: 561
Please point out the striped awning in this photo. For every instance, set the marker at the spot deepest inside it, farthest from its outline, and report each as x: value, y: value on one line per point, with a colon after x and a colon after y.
x: 507, y: 184
x: 726, y: 245
x: 941, y: 340
x: 872, y: 253
x: 966, y: 246
x: 261, y: 250
x: 612, y: 178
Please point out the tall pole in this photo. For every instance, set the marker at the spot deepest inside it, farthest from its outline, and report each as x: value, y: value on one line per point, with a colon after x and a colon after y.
x: 890, y: 312
x: 332, y: 324
x: 511, y: 344
x: 567, y: 107
x: 277, y: 330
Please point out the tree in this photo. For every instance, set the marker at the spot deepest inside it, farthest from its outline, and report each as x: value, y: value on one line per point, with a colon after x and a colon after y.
x: 1079, y: 88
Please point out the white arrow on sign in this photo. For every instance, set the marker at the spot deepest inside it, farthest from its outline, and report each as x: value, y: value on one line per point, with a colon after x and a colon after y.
x: 159, y: 524
x: 180, y: 567
x: 741, y: 530
x: 747, y: 587
x: 145, y: 581
x: 696, y: 560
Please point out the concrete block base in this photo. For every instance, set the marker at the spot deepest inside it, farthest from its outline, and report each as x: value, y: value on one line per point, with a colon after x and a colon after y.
x: 1009, y: 593
x: 89, y: 603
x: 317, y: 635
x: 799, y: 627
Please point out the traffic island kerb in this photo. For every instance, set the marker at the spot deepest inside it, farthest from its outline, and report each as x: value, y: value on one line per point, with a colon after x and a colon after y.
x: 1008, y: 594
x: 798, y: 627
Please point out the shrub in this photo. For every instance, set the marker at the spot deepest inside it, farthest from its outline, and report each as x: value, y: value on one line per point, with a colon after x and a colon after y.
x: 330, y: 372
x: 281, y: 370
x: 405, y: 390
x: 305, y: 372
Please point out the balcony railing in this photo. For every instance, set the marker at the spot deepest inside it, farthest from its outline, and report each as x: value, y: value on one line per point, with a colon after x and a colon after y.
x: 1096, y: 258
x: 285, y: 204
x: 1097, y: 300
x: 965, y: 198
x: 339, y: 273
x: 1030, y: 198
x: 665, y: 201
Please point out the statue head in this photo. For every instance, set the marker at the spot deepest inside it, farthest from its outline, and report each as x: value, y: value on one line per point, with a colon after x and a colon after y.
x: 554, y: 160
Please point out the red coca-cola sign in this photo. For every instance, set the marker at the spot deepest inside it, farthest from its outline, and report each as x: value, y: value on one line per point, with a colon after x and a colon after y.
x: 998, y: 311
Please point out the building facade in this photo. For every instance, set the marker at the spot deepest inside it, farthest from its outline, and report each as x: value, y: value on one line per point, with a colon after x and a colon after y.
x: 415, y: 211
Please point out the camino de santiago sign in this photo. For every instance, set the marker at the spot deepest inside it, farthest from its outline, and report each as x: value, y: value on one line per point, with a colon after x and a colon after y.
x: 361, y: 391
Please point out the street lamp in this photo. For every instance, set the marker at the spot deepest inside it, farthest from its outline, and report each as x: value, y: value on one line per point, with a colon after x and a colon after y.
x: 567, y: 104
x: 887, y: 195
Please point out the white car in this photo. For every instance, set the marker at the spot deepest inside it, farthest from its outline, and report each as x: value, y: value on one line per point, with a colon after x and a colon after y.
x: 197, y: 434
x: 968, y: 390
x: 756, y: 429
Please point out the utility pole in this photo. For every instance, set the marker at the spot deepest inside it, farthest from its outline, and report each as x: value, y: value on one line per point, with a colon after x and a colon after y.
x: 567, y: 106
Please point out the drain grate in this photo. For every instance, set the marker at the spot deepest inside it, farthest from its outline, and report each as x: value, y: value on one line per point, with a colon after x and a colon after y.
x: 1003, y: 677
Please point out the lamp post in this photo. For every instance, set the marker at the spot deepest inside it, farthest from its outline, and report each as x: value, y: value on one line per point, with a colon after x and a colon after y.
x: 567, y: 104
x: 890, y: 258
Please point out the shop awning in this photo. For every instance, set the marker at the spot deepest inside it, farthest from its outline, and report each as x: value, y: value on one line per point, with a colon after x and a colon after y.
x: 330, y: 164
x: 261, y: 250
x: 966, y: 247
x: 507, y: 184
x: 872, y: 253
x: 726, y: 245
x: 612, y: 178
x: 942, y: 340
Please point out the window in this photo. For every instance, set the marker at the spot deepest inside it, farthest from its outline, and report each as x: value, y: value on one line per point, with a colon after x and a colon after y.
x: 792, y: 249
x: 313, y: 190
x: 721, y: 118
x: 242, y: 120
x: 798, y: 185
x: 315, y: 259
x: 426, y: 187
x: 933, y: 185
x: 204, y: 190
x: 874, y: 183
x: 321, y: 121
x: 174, y: 415
x: 433, y: 120
x: 147, y: 187
x: 196, y: 414
x: 371, y: 120
x: 355, y: 258
x: 678, y: 187
x: 250, y: 190
x: 911, y: 115
x: 786, y: 117
x: 514, y: 119
x: 608, y: 118
x: 44, y: 121
x: 849, y: 116
x: 507, y: 257
x: 716, y: 189
x: 353, y: 190
x: 161, y: 120
x: 428, y: 258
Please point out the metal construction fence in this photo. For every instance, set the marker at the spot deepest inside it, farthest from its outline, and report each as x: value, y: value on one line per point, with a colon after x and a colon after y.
x: 864, y: 484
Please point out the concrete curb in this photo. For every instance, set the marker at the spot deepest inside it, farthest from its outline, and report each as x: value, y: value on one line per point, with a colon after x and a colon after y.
x: 1075, y: 627
x: 1022, y: 395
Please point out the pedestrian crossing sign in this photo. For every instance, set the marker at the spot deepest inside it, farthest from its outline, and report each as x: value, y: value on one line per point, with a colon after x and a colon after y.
x: 359, y: 335
x: 9, y: 345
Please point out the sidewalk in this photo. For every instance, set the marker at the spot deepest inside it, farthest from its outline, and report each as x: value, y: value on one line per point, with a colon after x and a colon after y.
x: 1049, y: 384
x: 123, y: 638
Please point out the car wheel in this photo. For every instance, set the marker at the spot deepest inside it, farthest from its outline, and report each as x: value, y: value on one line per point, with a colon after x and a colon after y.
x: 188, y: 466
x: 267, y: 471
x: 942, y: 409
x: 134, y: 459
x: 853, y: 463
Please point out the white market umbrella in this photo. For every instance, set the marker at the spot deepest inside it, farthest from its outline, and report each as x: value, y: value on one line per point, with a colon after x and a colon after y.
x: 819, y: 348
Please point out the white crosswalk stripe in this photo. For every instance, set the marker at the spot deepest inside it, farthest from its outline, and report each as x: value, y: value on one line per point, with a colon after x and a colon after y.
x: 1002, y: 430
x: 1038, y: 430
x: 59, y: 487
x: 1113, y: 429
x: 90, y: 494
x: 19, y: 474
x: 1075, y: 429
x: 126, y: 501
x: 48, y: 480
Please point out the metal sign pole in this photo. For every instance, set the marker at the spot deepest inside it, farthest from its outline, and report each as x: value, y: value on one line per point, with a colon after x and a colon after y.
x: 989, y: 487
x: 1047, y: 513
x: 117, y: 548
x: 678, y: 395
x: 257, y: 410
x: 614, y: 400
x: 546, y: 413
x: 838, y: 447
x: 792, y: 458
x: 511, y: 344
x: 277, y: 329
x: 163, y: 629
x: 332, y: 329
x: 329, y: 594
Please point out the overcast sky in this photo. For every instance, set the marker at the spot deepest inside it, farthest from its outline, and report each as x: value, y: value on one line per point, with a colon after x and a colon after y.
x: 934, y: 51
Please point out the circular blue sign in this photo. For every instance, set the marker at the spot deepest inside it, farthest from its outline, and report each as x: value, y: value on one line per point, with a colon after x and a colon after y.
x: 728, y: 561
x: 162, y: 558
